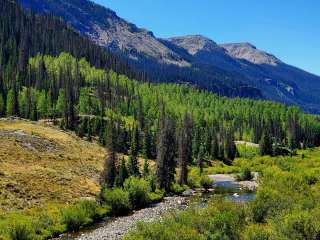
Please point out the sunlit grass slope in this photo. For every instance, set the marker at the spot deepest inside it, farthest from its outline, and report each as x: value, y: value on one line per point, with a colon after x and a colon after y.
x: 41, y: 164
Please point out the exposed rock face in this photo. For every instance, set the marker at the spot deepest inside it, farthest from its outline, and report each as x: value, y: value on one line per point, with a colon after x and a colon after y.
x: 104, y: 27
x: 235, y: 69
x: 250, y: 53
x: 195, y: 43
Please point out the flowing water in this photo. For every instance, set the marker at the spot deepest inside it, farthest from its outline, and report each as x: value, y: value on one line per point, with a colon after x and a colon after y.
x: 114, y: 228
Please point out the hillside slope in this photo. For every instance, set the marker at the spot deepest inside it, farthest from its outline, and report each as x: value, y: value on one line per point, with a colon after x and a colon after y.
x: 277, y: 80
x: 227, y: 69
x: 41, y: 164
x: 141, y: 48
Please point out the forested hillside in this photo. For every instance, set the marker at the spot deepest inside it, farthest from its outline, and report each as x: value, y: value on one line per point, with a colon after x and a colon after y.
x: 87, y: 98
x: 24, y: 35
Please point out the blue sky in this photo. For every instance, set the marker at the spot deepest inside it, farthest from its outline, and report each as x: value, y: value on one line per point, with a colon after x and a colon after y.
x: 289, y: 29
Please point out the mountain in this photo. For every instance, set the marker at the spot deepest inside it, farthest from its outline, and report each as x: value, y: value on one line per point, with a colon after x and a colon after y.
x: 281, y: 81
x: 277, y: 80
x: 238, y: 69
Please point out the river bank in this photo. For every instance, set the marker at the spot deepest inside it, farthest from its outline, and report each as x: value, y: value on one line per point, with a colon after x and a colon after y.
x: 115, y: 228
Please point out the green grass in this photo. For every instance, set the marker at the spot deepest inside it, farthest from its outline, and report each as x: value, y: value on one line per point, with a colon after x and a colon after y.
x: 286, y: 207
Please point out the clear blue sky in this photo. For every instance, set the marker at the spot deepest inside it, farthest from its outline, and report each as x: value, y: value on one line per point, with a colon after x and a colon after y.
x: 289, y: 29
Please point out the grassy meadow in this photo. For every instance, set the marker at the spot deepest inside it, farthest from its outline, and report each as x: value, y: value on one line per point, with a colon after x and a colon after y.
x: 286, y: 206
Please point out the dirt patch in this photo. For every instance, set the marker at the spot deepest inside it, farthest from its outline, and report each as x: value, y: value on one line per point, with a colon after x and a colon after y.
x: 29, y: 141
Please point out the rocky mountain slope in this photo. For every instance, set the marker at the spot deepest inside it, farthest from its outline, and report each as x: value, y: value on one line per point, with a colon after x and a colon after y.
x: 238, y: 69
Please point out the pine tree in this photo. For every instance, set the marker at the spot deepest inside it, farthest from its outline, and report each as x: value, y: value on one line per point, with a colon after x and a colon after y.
x: 133, y: 164
x: 69, y: 113
x: 122, y: 173
x: 265, y: 144
x: 102, y: 136
x: 147, y: 144
x: 293, y: 128
x: 140, y: 114
x: 2, y: 106
x: 230, y: 147
x: 109, y: 172
x: 185, y: 148
x: 82, y: 127
x: 166, y: 152
x: 146, y: 170
x: 215, y: 147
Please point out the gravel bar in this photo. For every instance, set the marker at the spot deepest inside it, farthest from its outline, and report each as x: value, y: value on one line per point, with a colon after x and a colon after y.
x: 117, y: 228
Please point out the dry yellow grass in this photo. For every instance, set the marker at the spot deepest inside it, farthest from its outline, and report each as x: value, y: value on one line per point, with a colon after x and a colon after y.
x: 41, y: 164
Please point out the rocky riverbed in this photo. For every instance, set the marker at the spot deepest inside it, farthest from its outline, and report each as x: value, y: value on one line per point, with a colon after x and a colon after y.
x: 117, y: 227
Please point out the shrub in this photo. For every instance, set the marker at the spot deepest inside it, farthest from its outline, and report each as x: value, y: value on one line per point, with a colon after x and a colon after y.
x: 194, y: 178
x: 92, y: 209
x: 256, y: 232
x: 118, y: 200
x: 177, y: 188
x: 75, y: 217
x: 152, y: 182
x: 206, y: 182
x: 21, y: 230
x: 220, y: 220
x: 156, y: 196
x: 245, y: 175
x: 47, y: 221
x: 266, y: 204
x: 298, y: 224
x: 138, y: 190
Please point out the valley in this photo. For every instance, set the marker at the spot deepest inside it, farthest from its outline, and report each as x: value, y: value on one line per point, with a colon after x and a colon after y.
x: 108, y: 132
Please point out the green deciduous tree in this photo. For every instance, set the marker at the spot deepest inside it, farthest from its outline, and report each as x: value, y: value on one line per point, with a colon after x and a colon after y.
x: 10, y: 109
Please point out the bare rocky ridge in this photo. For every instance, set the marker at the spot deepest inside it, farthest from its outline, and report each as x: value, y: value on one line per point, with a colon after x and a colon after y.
x: 195, y: 43
x: 250, y: 53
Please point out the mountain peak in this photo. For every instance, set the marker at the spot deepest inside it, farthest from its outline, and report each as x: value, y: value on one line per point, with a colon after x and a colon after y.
x: 194, y: 43
x: 249, y: 52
